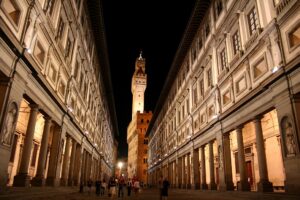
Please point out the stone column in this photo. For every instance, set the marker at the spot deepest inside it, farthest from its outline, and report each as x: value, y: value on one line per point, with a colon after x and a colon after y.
x: 72, y: 164
x: 243, y: 185
x: 179, y: 172
x: 39, y: 179
x: 203, y: 171
x: 188, y: 156
x: 264, y: 185
x: 64, y: 175
x: 82, y: 176
x: 54, y: 160
x: 22, y: 178
x: 196, y: 169
x: 227, y: 163
x: 212, y: 185
x: 184, y: 168
x: 78, y: 163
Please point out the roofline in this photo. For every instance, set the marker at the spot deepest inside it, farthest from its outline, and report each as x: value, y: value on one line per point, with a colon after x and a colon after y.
x: 183, y: 48
x: 96, y: 13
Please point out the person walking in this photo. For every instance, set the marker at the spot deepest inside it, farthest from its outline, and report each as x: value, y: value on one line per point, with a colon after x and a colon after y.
x: 165, y: 189
x: 89, y: 184
x: 136, y: 186
x: 129, y: 186
x: 112, y: 187
x: 121, y: 186
x: 160, y: 186
x: 103, y: 187
x: 98, y: 187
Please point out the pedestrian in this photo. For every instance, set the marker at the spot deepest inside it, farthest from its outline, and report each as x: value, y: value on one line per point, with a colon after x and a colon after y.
x: 165, y: 188
x: 98, y: 187
x: 160, y: 186
x: 81, y: 186
x: 112, y: 187
x: 103, y: 187
x: 89, y: 184
x: 121, y: 186
x: 136, y: 186
x: 129, y: 186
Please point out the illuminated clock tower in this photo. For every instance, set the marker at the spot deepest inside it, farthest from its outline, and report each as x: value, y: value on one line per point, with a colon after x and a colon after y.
x: 138, y: 85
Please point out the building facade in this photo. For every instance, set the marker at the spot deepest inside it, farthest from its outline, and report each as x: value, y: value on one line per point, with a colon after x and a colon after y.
x: 136, y: 130
x: 229, y: 115
x: 57, y: 118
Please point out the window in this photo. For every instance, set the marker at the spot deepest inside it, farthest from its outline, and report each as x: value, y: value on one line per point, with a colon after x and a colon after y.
x: 253, y: 21
x: 207, y: 29
x: 201, y: 87
x: 13, y: 11
x: 209, y: 77
x: 78, y: 3
x: 52, y: 73
x: 260, y: 68
x: 218, y: 7
x: 294, y: 37
x: 195, y: 95
x: 62, y: 88
x: 76, y: 69
x: 34, y: 155
x: 200, y: 42
x: 50, y: 6
x: 226, y: 97
x: 223, y: 58
x: 39, y: 52
x: 60, y: 28
x: 68, y: 47
x: 194, y: 54
x: 236, y: 42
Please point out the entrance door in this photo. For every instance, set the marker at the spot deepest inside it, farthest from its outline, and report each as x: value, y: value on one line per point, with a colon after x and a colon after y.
x: 249, y: 173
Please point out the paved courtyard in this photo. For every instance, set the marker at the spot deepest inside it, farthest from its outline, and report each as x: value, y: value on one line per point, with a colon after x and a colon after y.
x: 67, y: 193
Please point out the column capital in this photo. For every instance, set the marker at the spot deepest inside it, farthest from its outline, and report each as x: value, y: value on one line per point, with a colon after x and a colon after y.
x: 239, y: 127
x: 257, y: 118
x: 47, y: 118
x: 34, y: 106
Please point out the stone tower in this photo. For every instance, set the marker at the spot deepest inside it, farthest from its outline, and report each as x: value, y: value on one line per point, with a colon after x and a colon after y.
x: 138, y: 85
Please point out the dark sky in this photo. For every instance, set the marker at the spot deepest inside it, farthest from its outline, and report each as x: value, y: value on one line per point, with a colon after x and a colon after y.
x: 156, y: 27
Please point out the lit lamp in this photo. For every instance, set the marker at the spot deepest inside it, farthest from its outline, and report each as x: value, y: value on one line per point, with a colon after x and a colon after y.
x: 120, y: 165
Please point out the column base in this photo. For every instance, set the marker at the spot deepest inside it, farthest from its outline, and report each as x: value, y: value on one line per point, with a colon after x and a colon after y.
x: 264, y: 186
x: 243, y: 186
x: 213, y: 186
x: 63, y: 182
x: 204, y: 186
x: 51, y: 181
x: 196, y: 186
x: 38, y: 181
x: 226, y: 186
x: 21, y: 180
x: 70, y: 182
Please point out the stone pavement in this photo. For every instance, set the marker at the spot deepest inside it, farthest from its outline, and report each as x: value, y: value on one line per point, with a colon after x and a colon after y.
x: 69, y: 193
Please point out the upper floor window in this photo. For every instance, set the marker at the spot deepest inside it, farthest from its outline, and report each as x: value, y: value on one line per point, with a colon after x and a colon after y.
x: 68, y: 47
x: 201, y: 84
x: 195, y: 95
x: 62, y: 88
x: 209, y: 77
x: 49, y: 6
x: 236, y: 42
x: 78, y: 3
x: 39, y: 52
x: 60, y: 28
x: 13, y: 10
x: 294, y: 37
x: 218, y: 7
x: 207, y: 29
x: 223, y: 58
x: 253, y: 21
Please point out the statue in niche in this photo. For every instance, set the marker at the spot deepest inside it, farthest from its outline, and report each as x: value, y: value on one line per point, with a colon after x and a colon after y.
x: 9, y: 124
x: 289, y: 138
x: 220, y: 154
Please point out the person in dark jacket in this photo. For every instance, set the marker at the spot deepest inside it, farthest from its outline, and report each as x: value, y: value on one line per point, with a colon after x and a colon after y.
x: 165, y: 188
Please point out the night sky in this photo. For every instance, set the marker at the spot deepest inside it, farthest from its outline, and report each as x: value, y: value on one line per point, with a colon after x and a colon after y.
x: 156, y: 27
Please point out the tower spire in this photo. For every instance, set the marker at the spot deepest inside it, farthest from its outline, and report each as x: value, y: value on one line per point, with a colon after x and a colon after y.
x: 141, y: 55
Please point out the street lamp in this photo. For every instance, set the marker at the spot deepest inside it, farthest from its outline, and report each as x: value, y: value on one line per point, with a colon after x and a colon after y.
x: 120, y: 165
